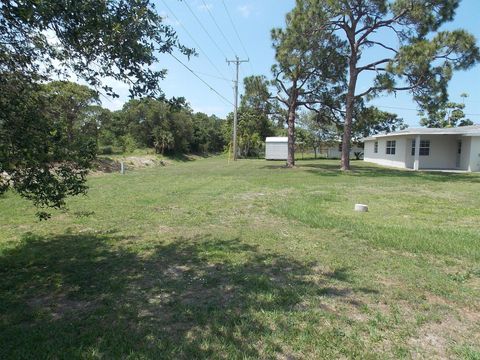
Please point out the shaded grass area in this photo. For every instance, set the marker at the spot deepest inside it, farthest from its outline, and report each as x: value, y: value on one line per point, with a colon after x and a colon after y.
x: 209, y: 259
x: 189, y: 298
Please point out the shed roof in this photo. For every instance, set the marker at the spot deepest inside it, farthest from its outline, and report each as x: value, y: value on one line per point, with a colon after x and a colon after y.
x: 472, y: 130
x: 277, y: 139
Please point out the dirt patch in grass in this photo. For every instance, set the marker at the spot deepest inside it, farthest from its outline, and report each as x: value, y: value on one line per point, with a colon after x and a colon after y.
x: 251, y: 195
x: 177, y: 271
x: 145, y: 161
x: 470, y: 314
x: 203, y: 296
x: 108, y: 165
x: 437, y: 339
x: 59, y: 306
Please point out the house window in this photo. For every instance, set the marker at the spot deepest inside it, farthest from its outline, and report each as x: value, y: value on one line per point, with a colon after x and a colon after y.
x: 424, y: 147
x: 375, y: 147
x: 391, y: 144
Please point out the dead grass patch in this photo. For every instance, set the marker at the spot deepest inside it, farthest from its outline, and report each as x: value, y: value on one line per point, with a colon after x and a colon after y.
x: 60, y: 305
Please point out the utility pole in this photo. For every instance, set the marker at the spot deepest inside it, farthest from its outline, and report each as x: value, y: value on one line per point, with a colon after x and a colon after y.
x: 237, y: 62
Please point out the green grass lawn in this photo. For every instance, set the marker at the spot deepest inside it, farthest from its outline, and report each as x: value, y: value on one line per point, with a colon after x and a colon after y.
x: 209, y: 259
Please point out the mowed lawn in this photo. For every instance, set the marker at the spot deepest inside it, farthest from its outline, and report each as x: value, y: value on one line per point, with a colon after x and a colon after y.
x: 209, y: 259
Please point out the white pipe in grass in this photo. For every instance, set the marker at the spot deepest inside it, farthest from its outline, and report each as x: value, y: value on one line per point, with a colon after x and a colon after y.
x: 361, y: 207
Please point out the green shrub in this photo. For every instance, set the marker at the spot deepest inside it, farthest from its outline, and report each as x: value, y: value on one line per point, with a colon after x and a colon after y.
x: 105, y: 150
x: 127, y: 143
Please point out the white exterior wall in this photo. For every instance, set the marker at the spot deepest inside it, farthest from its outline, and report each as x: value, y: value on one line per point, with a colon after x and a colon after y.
x: 276, y: 150
x: 333, y: 152
x: 382, y: 158
x: 443, y: 152
x: 465, y: 158
x: 474, y: 164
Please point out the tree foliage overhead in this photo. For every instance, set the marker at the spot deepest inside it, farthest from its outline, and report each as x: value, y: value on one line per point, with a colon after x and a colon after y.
x: 401, y: 45
x: 46, y: 145
x: 118, y: 39
x: 41, y: 154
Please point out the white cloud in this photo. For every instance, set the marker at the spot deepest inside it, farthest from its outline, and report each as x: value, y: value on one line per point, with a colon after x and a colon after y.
x: 245, y: 10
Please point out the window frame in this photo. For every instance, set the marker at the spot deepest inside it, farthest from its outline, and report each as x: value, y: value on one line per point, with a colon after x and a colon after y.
x: 391, y: 147
x: 375, y: 147
x: 424, y: 148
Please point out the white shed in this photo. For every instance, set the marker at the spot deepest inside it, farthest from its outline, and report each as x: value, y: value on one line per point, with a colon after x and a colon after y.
x: 276, y: 148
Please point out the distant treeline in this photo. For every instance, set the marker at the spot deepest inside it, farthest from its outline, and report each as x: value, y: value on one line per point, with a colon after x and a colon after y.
x: 75, y: 115
x: 168, y: 128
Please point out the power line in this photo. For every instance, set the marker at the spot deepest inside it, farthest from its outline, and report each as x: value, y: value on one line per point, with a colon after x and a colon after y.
x: 212, y: 76
x: 236, y: 32
x: 218, y: 27
x: 203, y: 81
x: 193, y: 39
x: 410, y: 109
x: 204, y: 29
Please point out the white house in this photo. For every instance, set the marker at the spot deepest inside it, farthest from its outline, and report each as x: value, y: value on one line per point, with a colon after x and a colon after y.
x: 276, y: 148
x: 425, y: 148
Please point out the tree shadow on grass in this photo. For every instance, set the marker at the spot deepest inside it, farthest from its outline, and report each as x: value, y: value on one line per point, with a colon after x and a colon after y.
x: 94, y: 295
x: 180, y: 157
x: 189, y: 157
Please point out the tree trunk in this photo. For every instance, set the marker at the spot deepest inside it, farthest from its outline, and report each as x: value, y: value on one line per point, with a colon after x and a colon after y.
x: 291, y: 137
x: 350, y: 106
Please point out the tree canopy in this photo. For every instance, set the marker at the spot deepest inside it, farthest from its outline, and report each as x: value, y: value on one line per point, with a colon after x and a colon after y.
x: 98, y: 41
x: 95, y: 40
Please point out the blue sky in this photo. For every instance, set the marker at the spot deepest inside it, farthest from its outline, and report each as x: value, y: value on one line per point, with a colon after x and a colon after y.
x: 253, y: 21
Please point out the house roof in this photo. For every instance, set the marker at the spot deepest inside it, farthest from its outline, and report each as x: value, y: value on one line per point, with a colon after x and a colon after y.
x: 277, y: 139
x: 472, y: 130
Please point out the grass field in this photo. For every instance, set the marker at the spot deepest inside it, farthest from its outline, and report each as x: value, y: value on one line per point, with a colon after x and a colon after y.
x: 204, y: 259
